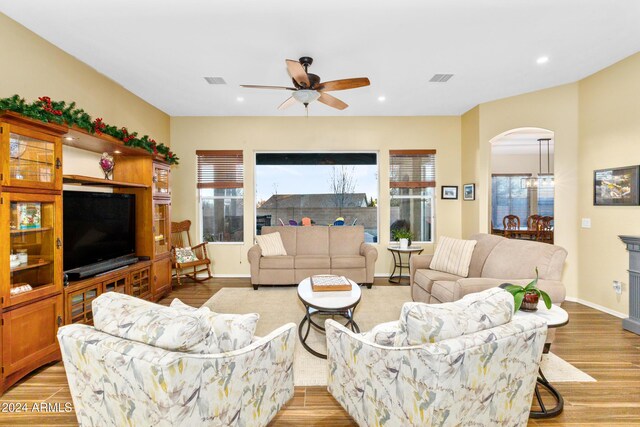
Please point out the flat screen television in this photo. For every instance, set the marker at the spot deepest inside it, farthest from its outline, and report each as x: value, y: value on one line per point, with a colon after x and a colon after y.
x: 97, y: 227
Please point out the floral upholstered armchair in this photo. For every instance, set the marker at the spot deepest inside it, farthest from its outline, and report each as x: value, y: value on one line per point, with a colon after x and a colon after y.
x: 461, y: 363
x: 144, y: 364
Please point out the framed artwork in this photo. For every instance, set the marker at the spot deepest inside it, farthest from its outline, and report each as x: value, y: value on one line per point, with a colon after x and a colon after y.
x: 449, y: 192
x: 469, y: 192
x: 616, y: 186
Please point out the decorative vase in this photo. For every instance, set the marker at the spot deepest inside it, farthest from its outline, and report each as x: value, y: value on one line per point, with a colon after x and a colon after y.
x: 404, y: 243
x: 106, y: 164
x: 530, y: 302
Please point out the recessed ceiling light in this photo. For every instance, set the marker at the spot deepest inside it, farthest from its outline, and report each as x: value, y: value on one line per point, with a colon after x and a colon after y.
x: 68, y: 138
x: 240, y: 99
x: 117, y: 152
x: 382, y: 98
x: 542, y: 60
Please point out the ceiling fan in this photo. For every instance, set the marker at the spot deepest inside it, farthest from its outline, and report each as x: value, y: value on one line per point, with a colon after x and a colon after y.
x: 308, y: 87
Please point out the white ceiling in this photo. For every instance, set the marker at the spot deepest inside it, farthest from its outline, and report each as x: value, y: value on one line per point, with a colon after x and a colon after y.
x: 161, y: 49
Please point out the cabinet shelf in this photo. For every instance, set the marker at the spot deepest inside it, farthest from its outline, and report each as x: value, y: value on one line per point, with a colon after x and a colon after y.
x: 30, y: 264
x: 30, y: 230
x: 99, y: 182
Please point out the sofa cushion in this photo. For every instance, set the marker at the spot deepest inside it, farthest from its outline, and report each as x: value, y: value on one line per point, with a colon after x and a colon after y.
x: 138, y: 320
x: 312, y: 261
x: 442, y: 290
x: 428, y: 323
x: 345, y: 240
x: 425, y: 277
x: 271, y: 244
x: 518, y: 259
x: 348, y: 261
x: 277, y: 262
x: 387, y: 334
x: 486, y: 243
x: 287, y: 234
x: 228, y: 331
x: 312, y: 241
x: 453, y: 256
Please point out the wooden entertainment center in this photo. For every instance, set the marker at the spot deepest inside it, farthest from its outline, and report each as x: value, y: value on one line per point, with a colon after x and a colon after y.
x: 33, y: 299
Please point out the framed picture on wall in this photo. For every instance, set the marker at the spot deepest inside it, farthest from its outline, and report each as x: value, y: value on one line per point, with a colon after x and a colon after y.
x: 469, y: 192
x: 449, y: 192
x: 616, y: 186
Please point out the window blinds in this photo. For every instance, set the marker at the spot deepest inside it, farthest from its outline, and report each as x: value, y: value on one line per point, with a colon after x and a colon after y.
x: 220, y: 168
x: 412, y: 168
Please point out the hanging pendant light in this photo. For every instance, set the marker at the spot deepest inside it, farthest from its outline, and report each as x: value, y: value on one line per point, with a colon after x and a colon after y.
x: 543, y: 180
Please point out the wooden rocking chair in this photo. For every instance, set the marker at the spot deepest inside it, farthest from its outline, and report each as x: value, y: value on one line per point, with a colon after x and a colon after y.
x: 203, y: 264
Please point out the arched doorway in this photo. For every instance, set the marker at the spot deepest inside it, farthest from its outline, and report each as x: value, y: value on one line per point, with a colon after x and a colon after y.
x: 522, y: 184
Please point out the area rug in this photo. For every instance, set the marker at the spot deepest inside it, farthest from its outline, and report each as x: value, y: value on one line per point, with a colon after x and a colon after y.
x: 280, y: 305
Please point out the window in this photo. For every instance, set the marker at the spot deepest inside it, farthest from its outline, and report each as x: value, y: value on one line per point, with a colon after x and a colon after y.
x: 412, y: 181
x: 509, y: 198
x: 220, y: 184
x: 321, y: 188
x: 545, y: 201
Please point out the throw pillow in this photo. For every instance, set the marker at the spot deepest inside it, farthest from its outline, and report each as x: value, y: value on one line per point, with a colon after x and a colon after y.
x: 228, y: 331
x: 453, y: 256
x: 428, y: 323
x: 138, y: 320
x: 184, y: 255
x: 271, y: 244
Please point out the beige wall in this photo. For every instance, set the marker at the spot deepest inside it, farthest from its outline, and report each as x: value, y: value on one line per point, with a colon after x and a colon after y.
x: 553, y: 109
x: 252, y: 134
x: 470, y: 134
x: 519, y: 163
x: 609, y: 137
x: 34, y: 67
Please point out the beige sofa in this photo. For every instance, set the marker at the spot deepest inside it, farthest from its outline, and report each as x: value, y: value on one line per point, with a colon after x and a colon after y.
x: 339, y: 250
x: 495, y: 260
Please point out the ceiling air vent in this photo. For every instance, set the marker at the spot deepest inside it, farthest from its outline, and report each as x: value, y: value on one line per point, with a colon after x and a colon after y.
x: 215, y: 80
x: 441, y: 78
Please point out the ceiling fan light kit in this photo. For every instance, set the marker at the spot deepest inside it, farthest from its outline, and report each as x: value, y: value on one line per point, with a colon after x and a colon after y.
x: 309, y: 88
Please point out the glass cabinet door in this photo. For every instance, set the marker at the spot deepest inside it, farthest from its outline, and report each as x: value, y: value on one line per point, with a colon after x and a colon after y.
x: 161, y: 227
x: 34, y: 249
x: 161, y: 186
x: 34, y: 159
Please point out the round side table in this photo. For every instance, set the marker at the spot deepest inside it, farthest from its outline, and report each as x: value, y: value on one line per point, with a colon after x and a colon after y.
x: 556, y: 317
x: 397, y: 253
x: 328, y: 303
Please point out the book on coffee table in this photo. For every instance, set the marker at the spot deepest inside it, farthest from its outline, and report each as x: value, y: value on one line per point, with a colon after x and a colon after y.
x: 329, y: 282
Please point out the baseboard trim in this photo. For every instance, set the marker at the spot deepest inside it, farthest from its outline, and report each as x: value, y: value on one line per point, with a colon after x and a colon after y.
x: 232, y: 276
x: 597, y: 307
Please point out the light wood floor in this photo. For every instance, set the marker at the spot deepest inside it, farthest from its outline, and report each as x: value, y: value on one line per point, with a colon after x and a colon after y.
x: 592, y: 341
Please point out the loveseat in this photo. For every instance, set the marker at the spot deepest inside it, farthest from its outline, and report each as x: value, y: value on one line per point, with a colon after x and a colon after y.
x: 148, y: 365
x: 495, y: 260
x: 339, y: 250
x: 462, y: 363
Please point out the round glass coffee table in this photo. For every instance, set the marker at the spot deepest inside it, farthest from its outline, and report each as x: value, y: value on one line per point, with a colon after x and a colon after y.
x: 326, y: 303
x: 556, y: 317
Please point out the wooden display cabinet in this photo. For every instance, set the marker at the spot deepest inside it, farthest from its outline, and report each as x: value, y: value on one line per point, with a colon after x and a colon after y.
x: 31, y: 153
x: 29, y: 338
x: 161, y: 184
x: 161, y: 228
x: 161, y: 277
x: 31, y: 256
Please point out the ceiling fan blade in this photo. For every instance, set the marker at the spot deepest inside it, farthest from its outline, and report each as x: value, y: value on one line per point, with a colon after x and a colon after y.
x: 268, y: 87
x: 332, y: 101
x: 288, y: 103
x: 297, y: 73
x: 344, y: 84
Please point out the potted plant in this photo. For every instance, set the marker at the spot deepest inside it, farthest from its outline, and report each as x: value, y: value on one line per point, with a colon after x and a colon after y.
x: 526, y: 297
x: 403, y: 236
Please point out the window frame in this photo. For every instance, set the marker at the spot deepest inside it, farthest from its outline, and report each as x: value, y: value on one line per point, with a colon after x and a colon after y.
x: 199, y: 189
x: 523, y: 221
x: 255, y: 180
x: 415, y: 185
